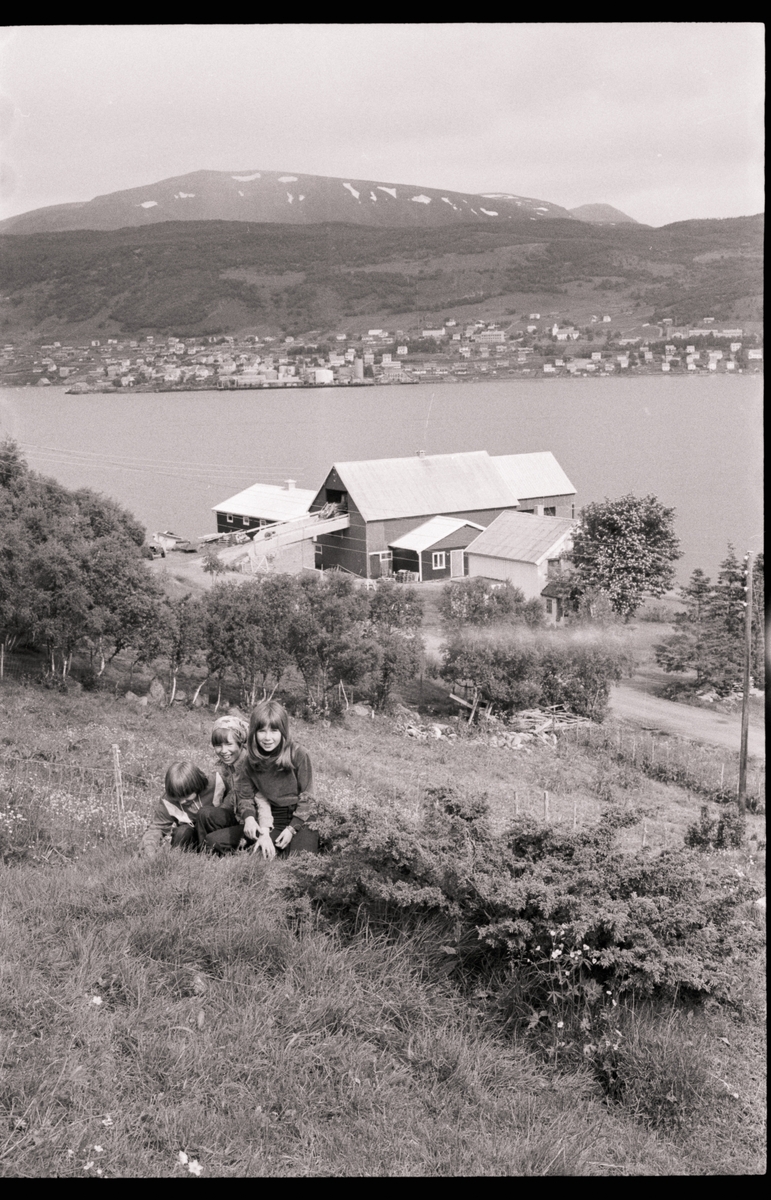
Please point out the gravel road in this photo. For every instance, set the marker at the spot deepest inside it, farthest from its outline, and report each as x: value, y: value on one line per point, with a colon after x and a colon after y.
x: 716, y: 729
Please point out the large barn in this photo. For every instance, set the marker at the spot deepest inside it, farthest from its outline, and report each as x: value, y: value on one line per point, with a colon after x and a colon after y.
x: 387, y: 498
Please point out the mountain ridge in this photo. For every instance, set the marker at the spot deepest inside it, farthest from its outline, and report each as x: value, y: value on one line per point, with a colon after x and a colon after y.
x: 285, y: 198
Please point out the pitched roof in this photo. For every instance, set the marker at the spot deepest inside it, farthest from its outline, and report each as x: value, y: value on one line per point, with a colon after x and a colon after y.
x: 268, y: 501
x: 534, y: 474
x: 431, y: 532
x: 521, y: 537
x: 422, y: 485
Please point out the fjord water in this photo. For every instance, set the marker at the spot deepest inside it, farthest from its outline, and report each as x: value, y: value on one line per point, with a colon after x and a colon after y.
x: 695, y: 443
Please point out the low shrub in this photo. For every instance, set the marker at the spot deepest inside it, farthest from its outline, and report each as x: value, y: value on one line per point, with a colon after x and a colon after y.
x: 511, y: 672
x: 556, y: 923
x: 727, y: 829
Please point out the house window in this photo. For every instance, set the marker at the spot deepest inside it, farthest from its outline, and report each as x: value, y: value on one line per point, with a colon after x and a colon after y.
x: 549, y: 606
x: 437, y: 560
x: 229, y: 518
x: 245, y: 520
x: 550, y: 510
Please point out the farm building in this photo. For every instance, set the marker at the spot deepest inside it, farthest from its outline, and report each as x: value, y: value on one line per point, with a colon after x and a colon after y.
x: 386, y: 498
x: 539, y: 483
x: 262, y: 504
x: 435, y: 549
x: 523, y: 548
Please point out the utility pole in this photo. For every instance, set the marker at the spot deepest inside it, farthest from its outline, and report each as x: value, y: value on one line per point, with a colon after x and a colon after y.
x: 746, y: 687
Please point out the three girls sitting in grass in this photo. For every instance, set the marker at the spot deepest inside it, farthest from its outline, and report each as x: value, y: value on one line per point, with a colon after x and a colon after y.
x: 258, y: 796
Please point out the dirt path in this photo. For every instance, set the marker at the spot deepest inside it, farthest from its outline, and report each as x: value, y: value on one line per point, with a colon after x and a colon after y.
x: 717, y: 729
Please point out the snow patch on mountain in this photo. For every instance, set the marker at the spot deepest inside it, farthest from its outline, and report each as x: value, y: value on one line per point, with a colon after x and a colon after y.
x: 247, y: 178
x: 287, y: 179
x: 391, y: 191
x: 352, y: 190
x: 289, y: 197
x: 488, y: 212
x: 421, y: 199
x: 184, y: 195
x: 148, y: 204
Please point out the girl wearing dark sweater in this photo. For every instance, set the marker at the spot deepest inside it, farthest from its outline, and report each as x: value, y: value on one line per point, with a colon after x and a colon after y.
x: 275, y: 769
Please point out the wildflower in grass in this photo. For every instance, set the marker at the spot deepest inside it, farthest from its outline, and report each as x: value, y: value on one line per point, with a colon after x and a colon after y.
x: 99, y: 1149
x: 183, y: 1158
x: 194, y: 1167
x: 556, y: 953
x: 88, y: 1165
x: 107, y: 1121
x: 97, y: 1000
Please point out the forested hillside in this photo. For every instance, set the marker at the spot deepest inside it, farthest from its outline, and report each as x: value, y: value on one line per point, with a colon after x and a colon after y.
x: 213, y: 276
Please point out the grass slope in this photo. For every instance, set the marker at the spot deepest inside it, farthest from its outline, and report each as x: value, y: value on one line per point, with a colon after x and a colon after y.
x: 153, y: 1008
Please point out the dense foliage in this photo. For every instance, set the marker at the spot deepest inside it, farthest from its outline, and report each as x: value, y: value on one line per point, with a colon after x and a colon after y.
x: 710, y: 636
x: 71, y: 569
x: 483, y: 602
x: 626, y: 548
x: 507, y: 671
x: 186, y: 277
x: 557, y: 919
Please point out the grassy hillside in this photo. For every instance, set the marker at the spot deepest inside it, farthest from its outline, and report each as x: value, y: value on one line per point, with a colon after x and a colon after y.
x: 215, y: 276
x: 185, y: 1006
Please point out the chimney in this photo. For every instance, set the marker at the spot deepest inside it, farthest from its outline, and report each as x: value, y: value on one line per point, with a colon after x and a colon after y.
x: 421, y: 453
x: 290, y: 483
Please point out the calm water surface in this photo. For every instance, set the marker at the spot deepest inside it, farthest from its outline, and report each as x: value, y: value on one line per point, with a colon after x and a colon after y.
x: 697, y: 444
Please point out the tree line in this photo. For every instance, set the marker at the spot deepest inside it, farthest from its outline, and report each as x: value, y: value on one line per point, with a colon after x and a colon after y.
x: 74, y: 578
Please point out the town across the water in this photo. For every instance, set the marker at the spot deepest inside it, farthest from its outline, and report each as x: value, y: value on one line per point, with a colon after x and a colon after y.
x: 534, y: 346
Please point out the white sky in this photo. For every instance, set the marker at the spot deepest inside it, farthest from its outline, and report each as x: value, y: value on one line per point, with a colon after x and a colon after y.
x: 662, y: 120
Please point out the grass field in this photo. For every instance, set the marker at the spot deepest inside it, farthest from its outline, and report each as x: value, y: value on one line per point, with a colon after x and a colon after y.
x: 171, y: 1017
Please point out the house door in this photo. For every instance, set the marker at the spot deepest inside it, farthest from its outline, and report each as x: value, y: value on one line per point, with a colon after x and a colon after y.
x: 380, y: 564
x: 456, y: 563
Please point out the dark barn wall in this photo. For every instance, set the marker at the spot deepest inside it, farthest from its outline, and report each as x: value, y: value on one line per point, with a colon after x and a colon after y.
x: 428, y: 572
x: 225, y: 526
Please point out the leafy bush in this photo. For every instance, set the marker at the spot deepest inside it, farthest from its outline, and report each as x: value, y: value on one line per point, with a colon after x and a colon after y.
x: 511, y: 672
x: 484, y: 603
x: 728, y: 829
x: 557, y: 923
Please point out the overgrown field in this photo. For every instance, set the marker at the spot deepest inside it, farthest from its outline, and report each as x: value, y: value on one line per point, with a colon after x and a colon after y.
x: 455, y: 987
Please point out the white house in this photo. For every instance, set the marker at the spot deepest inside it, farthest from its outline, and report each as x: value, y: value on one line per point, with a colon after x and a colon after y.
x: 519, y: 547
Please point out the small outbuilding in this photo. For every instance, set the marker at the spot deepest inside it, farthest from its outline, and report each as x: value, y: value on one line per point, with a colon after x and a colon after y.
x: 435, y: 549
x: 262, y: 504
x: 523, y: 548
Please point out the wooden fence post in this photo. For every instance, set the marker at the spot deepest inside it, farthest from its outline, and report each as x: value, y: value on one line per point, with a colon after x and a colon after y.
x: 119, y: 790
x: 546, y: 806
x: 516, y: 804
x: 2, y: 658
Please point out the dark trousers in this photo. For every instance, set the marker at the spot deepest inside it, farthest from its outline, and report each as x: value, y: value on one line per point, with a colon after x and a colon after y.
x: 185, y: 837
x: 223, y: 836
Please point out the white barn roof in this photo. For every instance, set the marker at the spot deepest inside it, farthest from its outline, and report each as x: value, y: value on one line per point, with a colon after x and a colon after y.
x: 431, y: 532
x: 534, y: 474
x: 385, y: 488
x: 269, y: 502
x: 521, y: 537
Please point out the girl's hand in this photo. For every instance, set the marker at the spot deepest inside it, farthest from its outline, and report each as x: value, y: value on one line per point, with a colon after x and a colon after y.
x: 265, y: 846
x: 284, y: 838
x: 250, y: 829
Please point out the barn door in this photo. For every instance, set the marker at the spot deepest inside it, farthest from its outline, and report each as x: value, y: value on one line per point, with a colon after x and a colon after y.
x: 456, y: 563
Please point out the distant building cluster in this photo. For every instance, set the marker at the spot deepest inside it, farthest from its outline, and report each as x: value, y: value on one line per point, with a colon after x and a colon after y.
x: 535, y: 344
